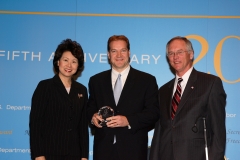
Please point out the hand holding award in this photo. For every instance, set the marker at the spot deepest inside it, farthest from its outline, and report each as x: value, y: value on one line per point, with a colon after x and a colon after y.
x: 105, y: 112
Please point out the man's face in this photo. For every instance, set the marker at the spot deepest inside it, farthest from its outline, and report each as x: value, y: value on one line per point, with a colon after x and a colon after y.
x: 179, y: 57
x: 119, y: 55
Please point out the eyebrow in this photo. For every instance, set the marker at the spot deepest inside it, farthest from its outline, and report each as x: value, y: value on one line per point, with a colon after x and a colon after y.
x: 119, y: 49
x: 68, y: 58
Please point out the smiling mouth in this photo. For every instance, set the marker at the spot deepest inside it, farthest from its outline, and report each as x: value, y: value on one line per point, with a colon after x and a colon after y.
x: 119, y: 59
x: 68, y: 70
x: 176, y: 62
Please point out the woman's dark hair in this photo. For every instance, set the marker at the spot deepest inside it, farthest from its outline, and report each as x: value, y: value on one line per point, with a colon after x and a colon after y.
x: 73, y: 47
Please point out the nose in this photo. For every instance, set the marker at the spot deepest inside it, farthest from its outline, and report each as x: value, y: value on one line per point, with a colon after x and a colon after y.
x: 69, y: 64
x: 175, y: 55
x: 118, y: 54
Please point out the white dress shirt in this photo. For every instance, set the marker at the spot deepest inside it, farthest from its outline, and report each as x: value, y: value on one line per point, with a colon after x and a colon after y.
x: 183, y: 84
x: 124, y: 75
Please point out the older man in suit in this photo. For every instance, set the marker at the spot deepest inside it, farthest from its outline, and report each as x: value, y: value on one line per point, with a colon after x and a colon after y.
x: 125, y: 136
x: 198, y: 105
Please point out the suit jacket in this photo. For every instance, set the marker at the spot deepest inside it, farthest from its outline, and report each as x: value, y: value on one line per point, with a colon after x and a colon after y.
x: 178, y: 139
x: 138, y: 102
x: 58, y: 123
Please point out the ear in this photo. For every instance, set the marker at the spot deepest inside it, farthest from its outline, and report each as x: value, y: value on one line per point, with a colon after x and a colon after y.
x: 58, y: 62
x: 191, y: 55
x: 108, y: 55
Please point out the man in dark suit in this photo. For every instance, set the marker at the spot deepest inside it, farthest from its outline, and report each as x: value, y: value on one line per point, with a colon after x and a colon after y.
x: 126, y: 135
x: 179, y: 134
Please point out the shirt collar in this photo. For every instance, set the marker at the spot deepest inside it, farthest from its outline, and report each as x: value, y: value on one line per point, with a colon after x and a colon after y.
x: 124, y: 72
x: 185, y: 77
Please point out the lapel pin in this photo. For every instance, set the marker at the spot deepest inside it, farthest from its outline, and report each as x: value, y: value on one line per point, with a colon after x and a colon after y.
x: 192, y: 87
x: 80, y: 95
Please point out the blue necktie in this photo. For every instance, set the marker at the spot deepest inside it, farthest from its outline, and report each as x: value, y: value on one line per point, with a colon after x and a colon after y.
x: 117, y: 92
x: 117, y: 89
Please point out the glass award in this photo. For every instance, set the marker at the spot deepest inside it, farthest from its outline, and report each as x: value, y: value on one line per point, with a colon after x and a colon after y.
x: 105, y: 112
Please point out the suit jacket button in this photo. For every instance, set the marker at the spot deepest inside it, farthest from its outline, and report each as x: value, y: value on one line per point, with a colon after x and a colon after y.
x: 69, y: 130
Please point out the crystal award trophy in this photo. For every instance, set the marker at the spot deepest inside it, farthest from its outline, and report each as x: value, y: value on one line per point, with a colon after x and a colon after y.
x: 105, y: 112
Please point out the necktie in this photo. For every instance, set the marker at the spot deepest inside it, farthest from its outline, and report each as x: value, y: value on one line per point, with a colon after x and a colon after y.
x: 117, y: 89
x: 176, y: 98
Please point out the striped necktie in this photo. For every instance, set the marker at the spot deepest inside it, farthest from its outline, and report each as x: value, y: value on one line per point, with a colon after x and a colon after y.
x: 176, y: 98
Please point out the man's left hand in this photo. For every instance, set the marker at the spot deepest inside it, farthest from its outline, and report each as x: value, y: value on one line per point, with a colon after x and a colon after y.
x: 117, y: 121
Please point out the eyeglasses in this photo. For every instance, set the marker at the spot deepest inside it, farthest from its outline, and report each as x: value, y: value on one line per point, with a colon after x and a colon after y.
x: 177, y: 53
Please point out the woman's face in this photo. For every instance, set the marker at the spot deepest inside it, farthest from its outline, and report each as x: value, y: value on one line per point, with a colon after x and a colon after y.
x: 68, y: 64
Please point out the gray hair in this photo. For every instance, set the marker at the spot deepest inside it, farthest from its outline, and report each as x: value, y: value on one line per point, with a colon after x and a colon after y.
x: 187, y: 42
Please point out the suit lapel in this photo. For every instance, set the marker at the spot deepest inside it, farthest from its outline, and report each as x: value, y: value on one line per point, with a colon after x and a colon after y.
x: 108, y: 89
x: 61, y: 89
x: 128, y: 85
x: 188, y: 90
x: 75, y: 90
x: 169, y: 93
